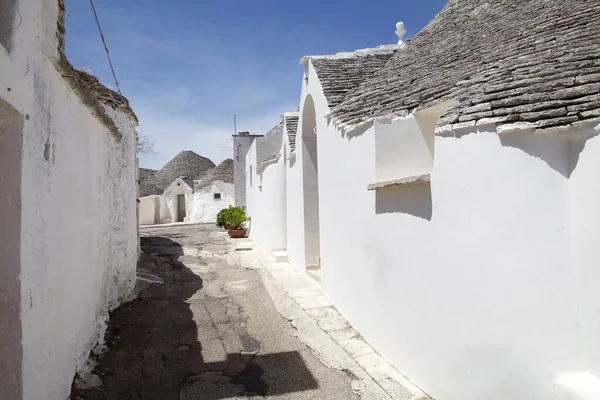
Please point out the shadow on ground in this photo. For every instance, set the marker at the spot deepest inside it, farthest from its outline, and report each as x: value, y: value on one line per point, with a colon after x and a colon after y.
x: 153, y: 350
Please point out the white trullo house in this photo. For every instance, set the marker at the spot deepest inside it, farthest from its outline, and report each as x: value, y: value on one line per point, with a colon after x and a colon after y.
x: 68, y: 245
x: 447, y: 192
x: 179, y: 192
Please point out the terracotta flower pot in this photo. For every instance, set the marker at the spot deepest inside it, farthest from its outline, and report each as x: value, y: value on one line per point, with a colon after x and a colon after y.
x: 237, y: 233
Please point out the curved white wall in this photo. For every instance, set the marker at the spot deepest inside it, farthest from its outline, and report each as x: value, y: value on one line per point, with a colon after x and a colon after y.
x: 480, y: 284
x: 295, y: 212
x: 584, y: 199
x: 471, y: 272
x: 266, y: 199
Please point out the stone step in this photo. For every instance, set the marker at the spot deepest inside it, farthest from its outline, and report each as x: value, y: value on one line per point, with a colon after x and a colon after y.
x: 314, y: 274
x: 280, y: 255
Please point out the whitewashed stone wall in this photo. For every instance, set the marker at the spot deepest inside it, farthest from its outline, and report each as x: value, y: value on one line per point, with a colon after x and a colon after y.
x: 241, y: 145
x: 170, y: 197
x: 154, y: 209
x: 490, y: 268
x: 266, y: 200
x: 205, y: 207
x: 78, y: 241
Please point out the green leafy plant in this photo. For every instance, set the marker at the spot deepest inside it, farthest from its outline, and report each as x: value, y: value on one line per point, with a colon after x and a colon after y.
x: 232, y: 218
x: 221, y: 218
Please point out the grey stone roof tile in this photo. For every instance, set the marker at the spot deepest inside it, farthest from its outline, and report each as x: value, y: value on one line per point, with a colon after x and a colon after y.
x: 222, y: 172
x: 522, y: 60
x: 339, y: 76
x: 291, y: 127
x: 187, y: 165
x: 269, y: 144
x: 271, y: 158
x: 145, y: 173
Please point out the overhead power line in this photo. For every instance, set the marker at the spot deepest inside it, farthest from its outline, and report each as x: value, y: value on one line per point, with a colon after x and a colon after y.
x: 105, y: 46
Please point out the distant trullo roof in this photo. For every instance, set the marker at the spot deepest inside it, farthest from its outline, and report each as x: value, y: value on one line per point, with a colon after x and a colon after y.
x: 222, y: 172
x: 187, y: 165
x: 145, y: 173
x: 505, y: 61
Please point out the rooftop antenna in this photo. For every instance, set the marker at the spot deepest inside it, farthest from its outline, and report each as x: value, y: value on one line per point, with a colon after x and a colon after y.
x: 234, y: 125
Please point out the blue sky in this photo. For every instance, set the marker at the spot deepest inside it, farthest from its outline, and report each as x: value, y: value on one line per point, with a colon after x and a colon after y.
x: 187, y: 66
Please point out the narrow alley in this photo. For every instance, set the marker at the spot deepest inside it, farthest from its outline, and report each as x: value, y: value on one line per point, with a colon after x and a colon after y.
x: 202, y: 329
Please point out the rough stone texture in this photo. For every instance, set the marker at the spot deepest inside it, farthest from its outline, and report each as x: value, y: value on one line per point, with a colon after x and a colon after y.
x: 187, y: 165
x: 145, y: 173
x: 269, y: 145
x: 89, y: 89
x: 339, y: 76
x: 410, y: 180
x: 8, y: 22
x: 270, y: 159
x: 11, y: 148
x: 209, y: 332
x: 291, y: 126
x: 523, y: 60
x: 222, y: 172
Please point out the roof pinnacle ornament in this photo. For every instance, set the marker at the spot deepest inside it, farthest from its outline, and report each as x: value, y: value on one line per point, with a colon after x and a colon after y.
x: 400, y: 32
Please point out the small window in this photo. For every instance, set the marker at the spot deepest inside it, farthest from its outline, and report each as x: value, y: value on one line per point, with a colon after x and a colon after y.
x: 217, y: 196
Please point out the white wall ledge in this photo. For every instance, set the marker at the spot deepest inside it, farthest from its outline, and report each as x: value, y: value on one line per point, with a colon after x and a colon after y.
x: 409, y: 180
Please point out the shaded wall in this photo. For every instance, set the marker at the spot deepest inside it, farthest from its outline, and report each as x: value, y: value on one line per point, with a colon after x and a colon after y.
x: 78, y: 209
x: 154, y: 209
x: 11, y: 151
x: 241, y: 145
x: 267, y: 203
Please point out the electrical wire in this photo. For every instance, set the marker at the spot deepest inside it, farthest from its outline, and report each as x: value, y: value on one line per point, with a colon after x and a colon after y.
x: 18, y: 25
x: 105, y: 46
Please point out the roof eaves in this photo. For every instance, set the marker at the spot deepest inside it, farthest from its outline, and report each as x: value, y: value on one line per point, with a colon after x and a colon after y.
x: 270, y: 160
x: 383, y: 49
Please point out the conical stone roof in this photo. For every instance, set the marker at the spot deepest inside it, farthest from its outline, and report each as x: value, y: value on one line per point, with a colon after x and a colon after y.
x: 531, y: 62
x: 187, y: 165
x: 222, y: 172
x: 145, y: 173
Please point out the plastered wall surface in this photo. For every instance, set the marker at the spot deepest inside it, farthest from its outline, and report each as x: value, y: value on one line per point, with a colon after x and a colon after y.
x: 205, y: 207
x: 11, y: 124
x: 170, y: 195
x: 473, y: 272
x: 154, y: 210
x: 491, y: 268
x: 266, y: 202
x: 241, y: 145
x: 78, y: 209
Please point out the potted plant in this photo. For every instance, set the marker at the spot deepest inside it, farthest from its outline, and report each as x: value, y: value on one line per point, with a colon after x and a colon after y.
x: 233, y: 220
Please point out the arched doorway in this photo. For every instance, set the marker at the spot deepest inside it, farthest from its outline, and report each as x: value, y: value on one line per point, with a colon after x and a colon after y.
x: 310, y: 171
